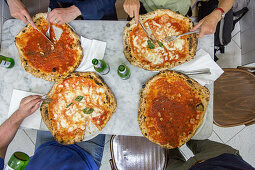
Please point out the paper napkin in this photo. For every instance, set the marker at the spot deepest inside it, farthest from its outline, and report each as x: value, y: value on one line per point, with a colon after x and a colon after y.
x: 91, y: 49
x: 202, y: 60
x: 33, y: 121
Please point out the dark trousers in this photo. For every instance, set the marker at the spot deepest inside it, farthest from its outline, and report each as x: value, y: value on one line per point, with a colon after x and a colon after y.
x: 202, y: 149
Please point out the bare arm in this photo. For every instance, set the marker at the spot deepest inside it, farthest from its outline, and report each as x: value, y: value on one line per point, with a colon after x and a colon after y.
x: 209, y: 23
x: 19, y: 11
x: 8, y: 129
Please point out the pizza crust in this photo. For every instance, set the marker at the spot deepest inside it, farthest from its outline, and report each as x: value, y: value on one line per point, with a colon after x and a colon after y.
x: 131, y: 57
x: 203, y: 92
x: 53, y: 76
x: 110, y: 103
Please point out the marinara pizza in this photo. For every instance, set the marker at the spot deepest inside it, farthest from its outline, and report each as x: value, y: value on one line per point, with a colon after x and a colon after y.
x: 79, y: 101
x: 171, y: 109
x: 160, y: 55
x: 43, y: 59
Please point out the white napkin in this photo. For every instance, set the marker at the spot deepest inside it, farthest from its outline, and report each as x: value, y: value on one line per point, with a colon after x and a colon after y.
x: 33, y: 121
x: 91, y: 49
x: 202, y: 60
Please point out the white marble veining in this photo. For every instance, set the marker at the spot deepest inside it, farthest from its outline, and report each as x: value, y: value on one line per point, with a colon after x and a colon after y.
x: 124, y: 121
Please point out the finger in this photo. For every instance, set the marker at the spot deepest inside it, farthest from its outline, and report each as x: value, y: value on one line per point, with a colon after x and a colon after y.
x: 29, y: 19
x: 136, y: 15
x: 30, y: 98
x: 23, y: 19
x: 201, y: 33
x: 198, y: 25
x: 35, y: 107
x: 32, y: 103
x: 52, y: 16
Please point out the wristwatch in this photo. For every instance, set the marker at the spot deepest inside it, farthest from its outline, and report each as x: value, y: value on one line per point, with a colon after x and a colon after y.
x: 222, y: 12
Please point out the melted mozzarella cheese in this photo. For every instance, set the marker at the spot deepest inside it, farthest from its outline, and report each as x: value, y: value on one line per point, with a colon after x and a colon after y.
x: 178, y: 44
x: 135, y: 41
x: 154, y: 58
x: 156, y: 24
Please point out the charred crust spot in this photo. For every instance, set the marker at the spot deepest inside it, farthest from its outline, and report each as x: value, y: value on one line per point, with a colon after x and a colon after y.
x: 90, y: 77
x: 189, y: 81
x: 128, y: 25
x: 54, y: 69
x: 98, y: 83
x: 143, y: 86
x: 145, y: 134
x: 77, y: 74
x: 200, y: 107
x: 108, y: 99
x: 24, y: 31
x: 68, y: 76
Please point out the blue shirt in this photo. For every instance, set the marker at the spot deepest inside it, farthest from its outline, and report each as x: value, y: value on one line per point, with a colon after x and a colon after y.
x: 90, y: 9
x: 52, y: 155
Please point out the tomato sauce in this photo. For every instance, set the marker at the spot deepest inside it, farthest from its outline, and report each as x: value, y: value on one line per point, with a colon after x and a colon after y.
x: 43, y: 56
x: 170, y: 108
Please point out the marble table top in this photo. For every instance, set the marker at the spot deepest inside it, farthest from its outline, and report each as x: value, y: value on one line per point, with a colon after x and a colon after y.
x: 124, y: 121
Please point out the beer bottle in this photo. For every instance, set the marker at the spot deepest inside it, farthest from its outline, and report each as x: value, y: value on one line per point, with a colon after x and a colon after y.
x: 6, y: 62
x: 101, y: 66
x: 18, y: 161
x: 123, y: 71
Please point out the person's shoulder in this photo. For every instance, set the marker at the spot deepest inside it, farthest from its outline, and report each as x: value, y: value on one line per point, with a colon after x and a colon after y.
x: 1, y: 163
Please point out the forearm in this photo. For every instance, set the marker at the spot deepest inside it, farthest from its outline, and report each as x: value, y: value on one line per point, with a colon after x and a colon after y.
x: 8, y: 130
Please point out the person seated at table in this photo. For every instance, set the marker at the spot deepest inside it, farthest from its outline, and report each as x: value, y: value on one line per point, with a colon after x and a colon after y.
x: 48, y: 153
x: 208, y: 155
x: 64, y: 11
x: 208, y: 24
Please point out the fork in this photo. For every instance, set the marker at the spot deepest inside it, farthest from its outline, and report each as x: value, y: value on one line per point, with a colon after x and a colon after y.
x: 48, y: 31
x: 174, y: 37
x: 195, y: 72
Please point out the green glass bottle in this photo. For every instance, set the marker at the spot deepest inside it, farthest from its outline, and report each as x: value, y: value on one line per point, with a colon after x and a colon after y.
x: 6, y: 62
x: 123, y: 71
x: 18, y: 161
x: 101, y: 66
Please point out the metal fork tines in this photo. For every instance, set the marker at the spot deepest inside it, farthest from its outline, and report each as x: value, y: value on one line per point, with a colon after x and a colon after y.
x: 174, y: 37
x: 48, y: 31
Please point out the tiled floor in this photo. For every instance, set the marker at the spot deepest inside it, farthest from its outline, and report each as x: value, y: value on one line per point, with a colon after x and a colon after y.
x: 240, y: 137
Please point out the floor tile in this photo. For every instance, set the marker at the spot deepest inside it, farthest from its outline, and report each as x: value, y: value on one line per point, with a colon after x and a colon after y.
x: 236, y: 29
x: 225, y: 134
x: 247, y: 40
x: 231, y: 58
x: 21, y: 142
x: 248, y: 58
x: 105, y: 165
x: 237, y: 40
x: 245, y: 143
x: 31, y: 133
x: 215, y: 137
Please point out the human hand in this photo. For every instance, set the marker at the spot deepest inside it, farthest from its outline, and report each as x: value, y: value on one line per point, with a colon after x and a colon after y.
x: 29, y: 105
x: 63, y: 15
x: 19, y: 11
x: 208, y: 24
x: 132, y: 7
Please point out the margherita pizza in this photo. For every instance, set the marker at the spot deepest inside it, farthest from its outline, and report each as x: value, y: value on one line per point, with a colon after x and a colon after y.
x: 160, y: 55
x: 78, y: 101
x: 44, y: 60
x: 171, y: 109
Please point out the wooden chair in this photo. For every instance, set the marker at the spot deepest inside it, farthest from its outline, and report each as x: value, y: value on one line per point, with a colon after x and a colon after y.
x: 234, y: 97
x: 133, y: 153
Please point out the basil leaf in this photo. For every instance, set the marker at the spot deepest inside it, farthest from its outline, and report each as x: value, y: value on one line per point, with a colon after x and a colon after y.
x: 90, y: 111
x: 85, y: 110
x: 78, y: 98
x: 69, y: 105
x: 150, y: 44
x: 160, y: 44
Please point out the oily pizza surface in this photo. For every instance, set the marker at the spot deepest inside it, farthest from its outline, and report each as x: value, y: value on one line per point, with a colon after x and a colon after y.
x: 161, y: 55
x: 43, y: 59
x: 78, y: 101
x: 171, y: 109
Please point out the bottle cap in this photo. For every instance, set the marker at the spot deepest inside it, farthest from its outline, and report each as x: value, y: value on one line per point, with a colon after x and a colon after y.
x: 95, y: 61
x: 121, y: 68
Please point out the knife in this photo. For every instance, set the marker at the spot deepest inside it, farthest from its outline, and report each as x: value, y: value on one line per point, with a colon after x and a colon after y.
x: 42, y: 34
x: 149, y: 34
